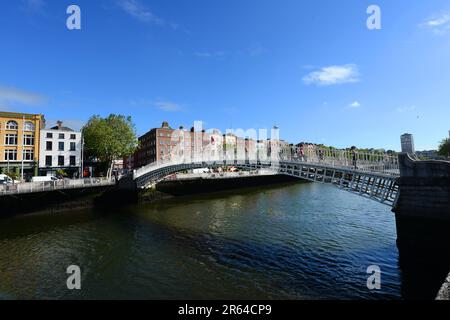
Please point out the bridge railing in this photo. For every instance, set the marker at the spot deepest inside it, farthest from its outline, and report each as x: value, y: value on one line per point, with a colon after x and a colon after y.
x: 29, y: 187
x: 380, y: 163
x: 157, y: 165
x: 361, y: 161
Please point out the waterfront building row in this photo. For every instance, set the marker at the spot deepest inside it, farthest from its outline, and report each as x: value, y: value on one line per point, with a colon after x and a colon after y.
x: 28, y: 148
x: 165, y: 143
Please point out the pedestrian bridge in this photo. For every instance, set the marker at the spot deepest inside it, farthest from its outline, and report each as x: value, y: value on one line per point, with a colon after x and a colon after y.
x: 374, y: 176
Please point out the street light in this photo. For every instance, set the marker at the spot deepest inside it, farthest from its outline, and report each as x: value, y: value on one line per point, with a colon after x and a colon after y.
x: 82, y: 163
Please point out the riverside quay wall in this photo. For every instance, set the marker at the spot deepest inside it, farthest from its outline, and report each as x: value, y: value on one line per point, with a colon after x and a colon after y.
x: 424, y: 189
x: 53, y: 201
x: 422, y: 209
x: 422, y: 214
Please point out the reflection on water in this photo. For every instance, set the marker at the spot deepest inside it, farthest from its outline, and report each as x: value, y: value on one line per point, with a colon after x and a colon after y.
x: 300, y: 241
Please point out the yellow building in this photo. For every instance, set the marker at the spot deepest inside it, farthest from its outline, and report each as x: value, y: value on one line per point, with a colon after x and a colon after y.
x: 19, y: 142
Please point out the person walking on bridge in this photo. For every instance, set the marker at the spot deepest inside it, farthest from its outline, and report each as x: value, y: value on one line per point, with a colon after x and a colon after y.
x: 302, y: 154
x: 354, y: 157
x: 321, y: 155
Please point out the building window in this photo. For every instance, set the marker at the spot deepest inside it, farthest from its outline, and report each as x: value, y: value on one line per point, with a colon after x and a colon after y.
x: 28, y: 140
x: 73, y: 136
x: 49, y: 135
x: 12, y: 125
x: 28, y: 155
x: 10, y: 155
x: 61, y: 135
x: 11, y: 139
x: 29, y: 126
x: 48, y: 161
x: 72, y: 160
x: 49, y: 146
x: 72, y: 146
x: 60, y: 160
x: 61, y: 146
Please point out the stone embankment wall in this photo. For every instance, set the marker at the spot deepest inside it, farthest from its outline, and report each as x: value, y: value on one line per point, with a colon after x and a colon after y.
x: 422, y: 214
x: 52, y: 201
x: 424, y: 189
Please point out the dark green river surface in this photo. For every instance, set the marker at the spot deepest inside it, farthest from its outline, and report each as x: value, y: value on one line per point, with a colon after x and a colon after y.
x: 293, y: 241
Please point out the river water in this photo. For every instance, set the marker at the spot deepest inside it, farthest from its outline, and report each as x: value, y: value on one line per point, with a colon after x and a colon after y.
x: 293, y: 241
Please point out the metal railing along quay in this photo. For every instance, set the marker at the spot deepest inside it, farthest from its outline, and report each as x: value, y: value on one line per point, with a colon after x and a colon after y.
x: 30, y: 187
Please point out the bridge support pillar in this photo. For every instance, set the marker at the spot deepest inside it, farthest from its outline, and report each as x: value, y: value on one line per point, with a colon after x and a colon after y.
x: 124, y: 193
x: 422, y: 214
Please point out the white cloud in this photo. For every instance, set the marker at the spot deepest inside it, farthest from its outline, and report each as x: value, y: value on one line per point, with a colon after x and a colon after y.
x: 406, y: 109
x: 256, y: 50
x: 140, y: 102
x: 333, y: 75
x: 34, y: 5
x: 168, y: 106
x: 207, y: 54
x: 439, y: 24
x: 140, y: 12
x: 13, y: 96
x: 354, y: 104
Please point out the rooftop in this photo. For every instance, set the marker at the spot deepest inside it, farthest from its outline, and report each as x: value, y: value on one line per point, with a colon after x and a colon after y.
x: 60, y: 127
x: 7, y: 114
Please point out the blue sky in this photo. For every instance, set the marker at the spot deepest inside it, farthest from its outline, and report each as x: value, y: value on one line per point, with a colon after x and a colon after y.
x: 311, y: 67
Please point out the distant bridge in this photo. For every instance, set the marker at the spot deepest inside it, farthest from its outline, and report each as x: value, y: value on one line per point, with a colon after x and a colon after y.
x: 372, y: 176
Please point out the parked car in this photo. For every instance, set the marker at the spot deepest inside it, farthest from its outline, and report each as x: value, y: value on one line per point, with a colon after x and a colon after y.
x: 4, y: 179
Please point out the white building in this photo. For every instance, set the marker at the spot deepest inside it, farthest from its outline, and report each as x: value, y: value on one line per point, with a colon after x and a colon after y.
x: 407, y: 142
x: 60, y: 148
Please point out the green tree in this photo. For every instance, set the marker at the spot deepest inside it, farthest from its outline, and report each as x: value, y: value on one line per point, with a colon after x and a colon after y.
x: 13, y: 175
x: 444, y: 148
x: 110, y: 138
x: 61, y: 173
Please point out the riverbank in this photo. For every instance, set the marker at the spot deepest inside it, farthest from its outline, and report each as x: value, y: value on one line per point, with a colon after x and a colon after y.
x: 53, y: 201
x: 108, y: 197
x: 188, y: 186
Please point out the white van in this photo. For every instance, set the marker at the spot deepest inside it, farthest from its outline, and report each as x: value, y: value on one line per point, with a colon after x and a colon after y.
x: 43, y: 178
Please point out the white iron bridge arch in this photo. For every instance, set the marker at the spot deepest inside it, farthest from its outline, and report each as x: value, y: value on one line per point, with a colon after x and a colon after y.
x: 370, y: 175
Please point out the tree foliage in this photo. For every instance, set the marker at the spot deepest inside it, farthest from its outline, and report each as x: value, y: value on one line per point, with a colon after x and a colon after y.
x: 61, y: 173
x: 110, y: 138
x: 13, y: 175
x: 444, y: 148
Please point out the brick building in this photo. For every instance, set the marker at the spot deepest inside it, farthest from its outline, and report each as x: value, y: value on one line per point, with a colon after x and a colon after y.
x: 165, y: 143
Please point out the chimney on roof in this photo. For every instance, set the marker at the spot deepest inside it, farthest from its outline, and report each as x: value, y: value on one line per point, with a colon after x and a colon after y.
x: 59, y: 124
